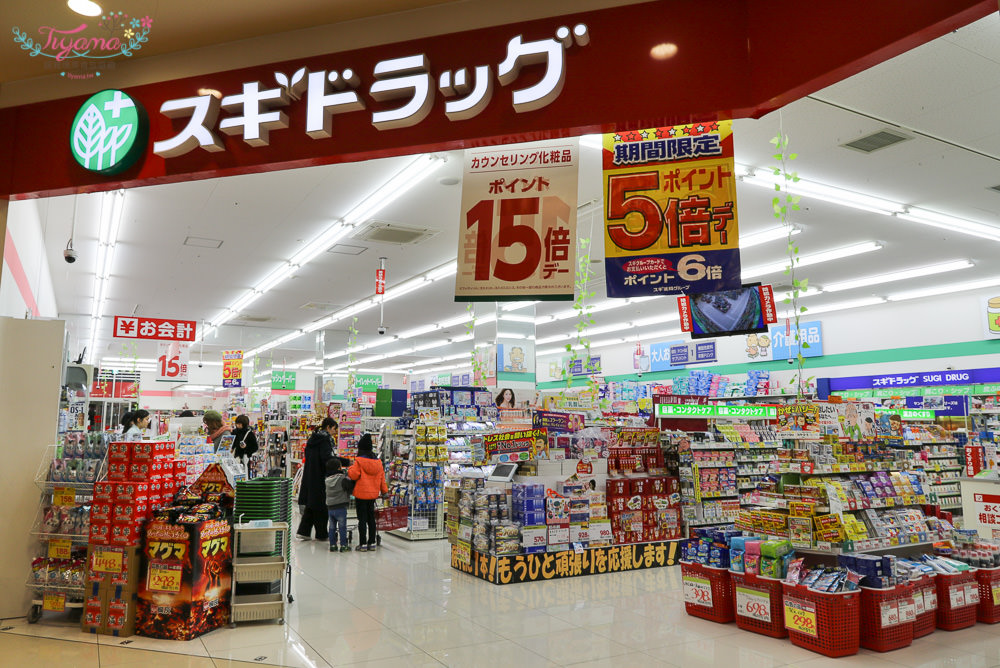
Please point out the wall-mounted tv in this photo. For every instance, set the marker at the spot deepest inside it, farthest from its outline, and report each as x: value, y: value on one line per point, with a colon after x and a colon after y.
x: 747, y: 310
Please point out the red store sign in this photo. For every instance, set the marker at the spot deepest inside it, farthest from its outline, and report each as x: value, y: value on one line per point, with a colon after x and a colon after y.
x: 590, y: 72
x: 158, y: 329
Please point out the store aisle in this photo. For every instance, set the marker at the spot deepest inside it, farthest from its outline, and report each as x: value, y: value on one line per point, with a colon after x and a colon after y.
x: 404, y: 606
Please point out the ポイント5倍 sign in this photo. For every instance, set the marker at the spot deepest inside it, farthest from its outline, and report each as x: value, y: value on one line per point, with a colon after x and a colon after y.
x: 517, y: 237
x: 158, y: 329
x: 670, y: 210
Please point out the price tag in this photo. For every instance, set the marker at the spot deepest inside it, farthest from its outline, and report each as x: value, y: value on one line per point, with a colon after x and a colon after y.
x: 800, y: 616
x: 104, y: 560
x: 60, y: 549
x: 972, y: 594
x: 53, y: 602
x: 64, y: 496
x: 889, y: 613
x: 956, y: 595
x: 918, y: 602
x: 996, y: 594
x: 930, y: 599
x: 463, y: 553
x: 907, y: 610
x: 753, y: 604
x: 164, y: 577
x: 697, y: 591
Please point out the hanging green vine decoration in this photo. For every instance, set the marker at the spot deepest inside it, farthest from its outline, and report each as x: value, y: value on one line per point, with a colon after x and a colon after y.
x: 475, y: 360
x: 783, y: 203
x: 352, y: 339
x: 584, y: 318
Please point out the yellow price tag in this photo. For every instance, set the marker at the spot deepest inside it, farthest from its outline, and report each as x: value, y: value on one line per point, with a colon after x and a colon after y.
x: 800, y: 616
x: 104, y: 560
x: 889, y: 502
x: 164, y: 577
x: 53, y: 602
x: 60, y: 549
x: 64, y: 496
x: 996, y: 594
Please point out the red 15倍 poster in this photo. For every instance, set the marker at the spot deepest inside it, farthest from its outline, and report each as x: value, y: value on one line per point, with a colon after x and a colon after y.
x: 517, y: 237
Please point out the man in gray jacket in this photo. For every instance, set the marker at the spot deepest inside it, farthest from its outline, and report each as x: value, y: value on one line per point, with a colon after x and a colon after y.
x: 337, y: 498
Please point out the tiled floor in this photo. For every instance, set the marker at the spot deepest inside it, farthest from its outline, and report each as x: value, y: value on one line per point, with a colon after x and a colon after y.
x: 404, y: 606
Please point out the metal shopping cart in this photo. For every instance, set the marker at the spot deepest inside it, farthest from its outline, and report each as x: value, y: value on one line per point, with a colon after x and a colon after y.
x: 387, y: 518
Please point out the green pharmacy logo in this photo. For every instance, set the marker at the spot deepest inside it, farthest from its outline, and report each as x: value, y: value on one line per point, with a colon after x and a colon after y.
x: 109, y: 132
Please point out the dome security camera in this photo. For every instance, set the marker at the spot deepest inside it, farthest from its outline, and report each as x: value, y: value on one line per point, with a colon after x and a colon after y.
x: 69, y: 254
x: 382, y: 330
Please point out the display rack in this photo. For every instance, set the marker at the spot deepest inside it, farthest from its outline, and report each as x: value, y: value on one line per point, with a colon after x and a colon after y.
x: 260, y: 556
x: 61, y: 529
x: 416, y: 479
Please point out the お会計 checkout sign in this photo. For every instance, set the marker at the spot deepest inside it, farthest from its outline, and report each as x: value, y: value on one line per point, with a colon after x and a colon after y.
x: 542, y: 79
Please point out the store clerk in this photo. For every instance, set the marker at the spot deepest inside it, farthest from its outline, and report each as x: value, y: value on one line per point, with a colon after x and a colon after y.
x: 134, y: 423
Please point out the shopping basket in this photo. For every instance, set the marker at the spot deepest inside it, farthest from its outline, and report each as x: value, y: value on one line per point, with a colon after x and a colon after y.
x: 391, y: 517
x: 708, y: 592
x: 887, y: 617
x: 989, y: 595
x: 827, y: 623
x: 925, y: 598
x: 758, y: 604
x: 958, y: 600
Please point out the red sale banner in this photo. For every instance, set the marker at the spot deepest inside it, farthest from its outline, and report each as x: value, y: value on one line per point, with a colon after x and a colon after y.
x: 380, y: 281
x: 159, y: 329
x: 517, y: 235
x: 172, y: 362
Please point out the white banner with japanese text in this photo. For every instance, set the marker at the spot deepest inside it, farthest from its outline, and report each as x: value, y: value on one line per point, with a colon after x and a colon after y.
x: 517, y: 237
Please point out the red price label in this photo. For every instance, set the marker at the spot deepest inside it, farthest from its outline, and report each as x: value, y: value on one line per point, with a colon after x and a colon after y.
x: 698, y: 591
x: 753, y: 603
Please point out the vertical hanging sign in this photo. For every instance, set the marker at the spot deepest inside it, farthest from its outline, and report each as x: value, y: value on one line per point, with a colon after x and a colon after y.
x: 670, y: 210
x: 517, y: 236
x: 380, y: 281
x: 232, y: 368
x: 172, y: 362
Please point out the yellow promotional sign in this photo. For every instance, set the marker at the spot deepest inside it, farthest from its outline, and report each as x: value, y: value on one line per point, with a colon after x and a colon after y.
x: 800, y: 616
x: 232, y: 368
x: 517, y: 231
x: 670, y: 210
x: 164, y: 577
x: 53, y: 602
x: 63, y: 496
x: 105, y: 560
x: 60, y: 549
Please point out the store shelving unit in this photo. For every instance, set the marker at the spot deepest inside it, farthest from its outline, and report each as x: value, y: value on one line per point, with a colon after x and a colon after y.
x: 260, y: 556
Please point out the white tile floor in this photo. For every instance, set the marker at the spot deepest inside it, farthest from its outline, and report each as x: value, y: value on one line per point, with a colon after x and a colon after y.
x: 405, y: 606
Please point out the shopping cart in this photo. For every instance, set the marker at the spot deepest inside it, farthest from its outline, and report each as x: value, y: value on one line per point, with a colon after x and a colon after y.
x: 387, y: 518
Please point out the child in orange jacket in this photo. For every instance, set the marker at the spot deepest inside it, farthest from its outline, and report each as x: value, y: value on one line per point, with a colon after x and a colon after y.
x: 369, y: 477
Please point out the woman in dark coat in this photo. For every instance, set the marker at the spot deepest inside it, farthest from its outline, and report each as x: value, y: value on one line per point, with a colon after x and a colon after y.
x: 312, y: 491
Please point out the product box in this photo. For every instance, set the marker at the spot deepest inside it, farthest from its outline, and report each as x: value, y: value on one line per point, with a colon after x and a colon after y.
x: 139, y: 471
x: 130, y: 492
x: 186, y: 586
x: 101, y: 512
x: 120, y: 452
x: 142, y: 451
x: 104, y: 491
x: 100, y: 533
x: 129, y: 513
x: 118, y: 471
x: 126, y: 534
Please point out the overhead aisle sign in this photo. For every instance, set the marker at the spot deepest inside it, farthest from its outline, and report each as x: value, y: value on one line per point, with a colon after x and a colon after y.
x: 517, y: 234
x: 670, y: 211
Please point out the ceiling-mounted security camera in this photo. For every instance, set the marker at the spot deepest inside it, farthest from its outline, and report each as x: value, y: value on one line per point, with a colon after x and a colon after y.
x: 382, y: 330
x: 69, y: 254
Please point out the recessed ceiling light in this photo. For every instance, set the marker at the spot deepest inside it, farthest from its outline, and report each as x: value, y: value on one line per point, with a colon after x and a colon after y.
x: 664, y: 51
x: 85, y: 7
x: 202, y: 242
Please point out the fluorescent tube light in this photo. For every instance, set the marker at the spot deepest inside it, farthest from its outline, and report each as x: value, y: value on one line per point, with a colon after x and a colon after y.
x: 814, y: 258
x: 916, y: 272
x: 950, y: 223
x: 764, y: 236
x: 945, y: 289
x: 838, y: 306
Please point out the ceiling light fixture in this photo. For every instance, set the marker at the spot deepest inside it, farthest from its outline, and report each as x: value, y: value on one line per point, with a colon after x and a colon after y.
x: 951, y: 223
x: 814, y: 258
x: 84, y: 7
x: 770, y: 234
x: 112, y: 210
x: 839, y: 306
x: 399, y: 184
x: 916, y: 272
x: 946, y: 289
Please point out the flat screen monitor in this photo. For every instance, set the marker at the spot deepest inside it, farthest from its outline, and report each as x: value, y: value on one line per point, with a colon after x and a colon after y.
x: 746, y: 310
x: 503, y: 472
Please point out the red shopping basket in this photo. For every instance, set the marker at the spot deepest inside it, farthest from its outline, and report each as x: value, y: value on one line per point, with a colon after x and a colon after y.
x: 887, y: 617
x: 989, y: 595
x: 925, y: 598
x: 758, y: 604
x: 822, y: 622
x: 392, y: 517
x: 708, y: 592
x: 958, y: 600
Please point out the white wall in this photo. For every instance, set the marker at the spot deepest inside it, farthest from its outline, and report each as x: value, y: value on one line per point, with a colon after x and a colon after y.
x: 933, y: 321
x: 26, y: 222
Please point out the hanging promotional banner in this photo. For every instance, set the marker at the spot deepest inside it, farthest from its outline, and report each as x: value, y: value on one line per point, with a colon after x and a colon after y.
x: 380, y: 281
x: 172, y: 362
x: 670, y: 211
x: 785, y: 346
x: 517, y: 236
x: 515, y: 446
x: 232, y: 368
x: 283, y: 380
x: 159, y: 329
